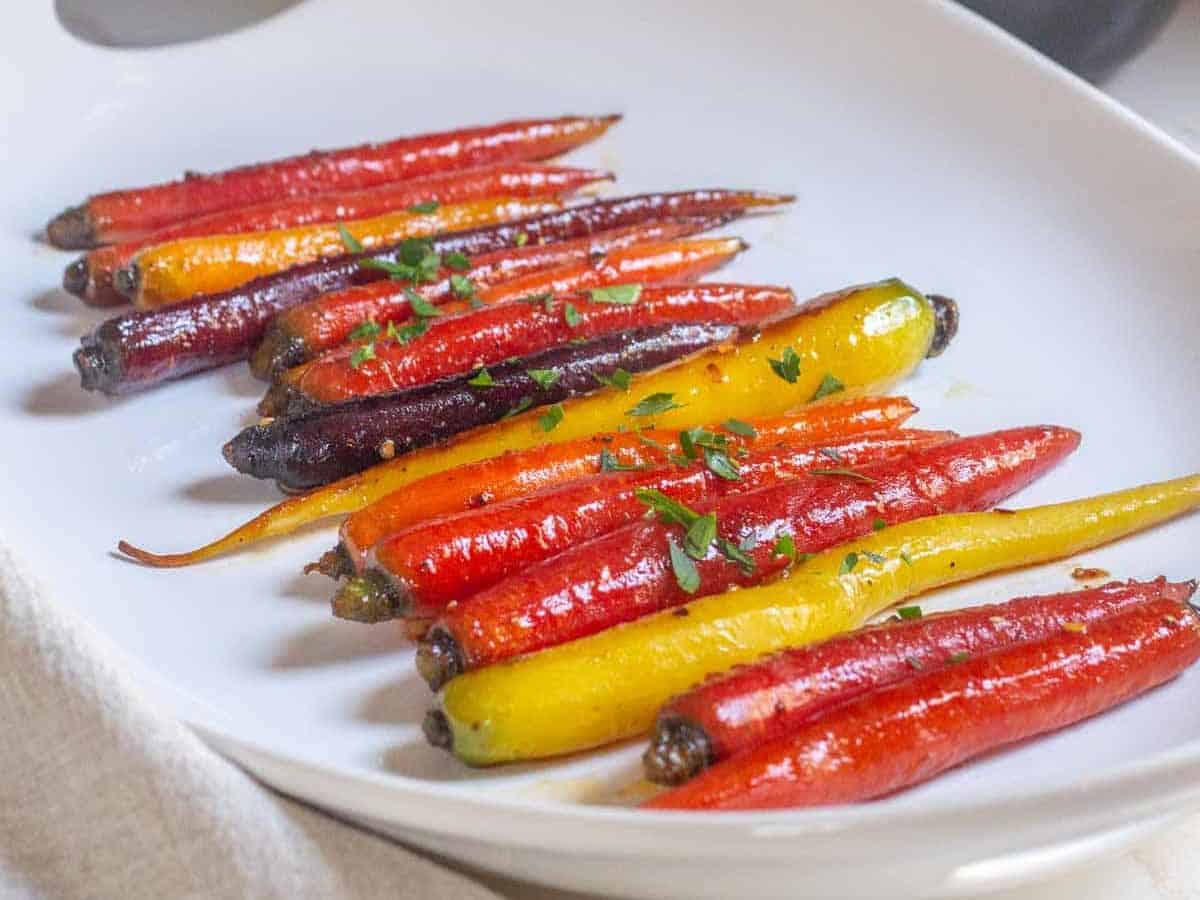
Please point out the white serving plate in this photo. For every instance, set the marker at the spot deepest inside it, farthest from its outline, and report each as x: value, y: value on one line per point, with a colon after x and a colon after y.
x: 921, y: 141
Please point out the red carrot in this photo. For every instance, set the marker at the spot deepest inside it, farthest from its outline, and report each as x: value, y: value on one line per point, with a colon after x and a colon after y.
x: 748, y: 706
x: 419, y: 570
x: 128, y: 214
x: 460, y: 343
x: 631, y: 572
x: 91, y: 276
x: 906, y: 733
x: 304, y: 331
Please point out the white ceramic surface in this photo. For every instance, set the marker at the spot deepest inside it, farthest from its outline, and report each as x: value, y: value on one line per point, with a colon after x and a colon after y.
x: 921, y: 142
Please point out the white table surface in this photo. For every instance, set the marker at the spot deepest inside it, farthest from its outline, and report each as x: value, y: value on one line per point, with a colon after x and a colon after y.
x: 1162, y: 84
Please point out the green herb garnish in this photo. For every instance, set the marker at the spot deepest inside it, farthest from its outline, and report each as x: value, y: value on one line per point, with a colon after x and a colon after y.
x: 457, y: 261
x: 618, y: 294
x: 787, y: 368
x: 545, y: 378
x: 349, y: 241
x: 686, y: 574
x: 668, y: 510
x: 829, y: 385
x: 366, y: 331
x: 420, y: 306
x: 734, y: 554
x: 909, y: 612
x: 700, y: 535
x: 960, y: 657
x: 362, y: 354
x: 876, y: 558
x: 653, y: 405
x: 570, y: 314
x: 719, y: 463
x: 551, y: 417
x: 906, y: 559
x: 409, y: 332
x: 523, y: 404
x: 482, y: 378
x: 423, y: 208
x: 737, y: 426
x: 848, y: 563
x: 521, y: 239
x: 785, y: 546
x: 462, y: 286
x: 618, y: 380
x: 878, y: 525
x: 610, y: 463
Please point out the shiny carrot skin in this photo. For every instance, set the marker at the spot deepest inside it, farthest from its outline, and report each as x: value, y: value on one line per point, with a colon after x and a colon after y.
x: 168, y: 273
x: 129, y: 214
x: 753, y: 704
x: 907, y: 733
x: 335, y: 441
x: 91, y: 276
x: 304, y: 331
x: 628, y: 573
x: 421, y: 569
x: 137, y: 350
x: 460, y: 343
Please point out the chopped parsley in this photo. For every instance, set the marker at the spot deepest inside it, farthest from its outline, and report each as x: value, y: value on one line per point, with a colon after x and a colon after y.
x: 417, y: 262
x: 878, y: 525
x: 686, y: 574
x: 541, y: 298
x: 700, y: 535
x: 349, y: 241
x: 617, y: 294
x: 787, y: 368
x: 719, y: 463
x: 482, y: 378
x: 545, y: 378
x: 362, y: 354
x: 619, y: 380
x: 521, y: 239
x: 960, y: 657
x: 829, y: 385
x: 424, y: 208
x: 551, y: 417
x: 420, y: 306
x: 653, y: 405
x: 785, y: 546
x: 848, y: 563
x: 366, y: 331
x: 459, y: 262
x: 610, y: 463
x: 408, y: 332
x: 737, y: 426
x: 909, y: 612
x: 462, y: 286
x: 906, y: 559
x: 570, y: 315
x: 874, y: 557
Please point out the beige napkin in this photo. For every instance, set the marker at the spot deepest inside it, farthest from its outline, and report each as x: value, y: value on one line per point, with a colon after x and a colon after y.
x: 104, y: 795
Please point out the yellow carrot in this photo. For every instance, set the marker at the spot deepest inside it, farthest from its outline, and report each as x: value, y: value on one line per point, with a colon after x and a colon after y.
x: 610, y: 686
x: 170, y: 272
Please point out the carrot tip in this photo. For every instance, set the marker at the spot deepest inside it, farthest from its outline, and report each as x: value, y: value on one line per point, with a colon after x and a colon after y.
x: 437, y: 730
x: 369, y: 598
x: 76, y: 277
x: 679, y: 750
x: 945, y: 312
x: 72, y: 229
x: 125, y: 280
x: 439, y: 658
x: 157, y: 560
x: 333, y: 563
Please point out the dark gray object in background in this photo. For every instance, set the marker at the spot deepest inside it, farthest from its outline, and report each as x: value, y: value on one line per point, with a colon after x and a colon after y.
x: 1091, y: 37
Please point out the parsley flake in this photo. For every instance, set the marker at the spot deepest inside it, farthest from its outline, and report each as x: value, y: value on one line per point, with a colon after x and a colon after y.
x: 829, y: 385
x: 686, y: 574
x: 570, y: 315
x: 409, y: 332
x: 960, y: 657
x: 462, y: 286
x: 521, y: 239
x: 366, y: 331
x: 349, y: 241
x: 482, y: 378
x: 848, y: 563
x: 619, y: 380
x: 523, y: 404
x: 545, y: 378
x: 550, y: 419
x: 420, y: 306
x: 785, y: 546
x: 787, y: 368
x: 700, y: 535
x: 909, y: 612
x: 878, y: 525
x: 737, y: 426
x: 653, y: 405
x: 362, y: 354
x: 457, y: 261
x: 719, y: 463
x: 617, y: 294
x: 424, y: 208
x: 610, y: 463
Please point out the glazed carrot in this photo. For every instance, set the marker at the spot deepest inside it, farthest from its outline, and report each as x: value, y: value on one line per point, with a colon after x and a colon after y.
x: 753, y: 704
x: 129, y: 214
x: 905, y: 327
x: 610, y: 686
x: 91, y: 276
x: 304, y: 331
x: 143, y: 348
x: 635, y: 570
x: 170, y: 272
x: 909, y: 732
x: 416, y: 572
x: 453, y: 344
x: 335, y: 441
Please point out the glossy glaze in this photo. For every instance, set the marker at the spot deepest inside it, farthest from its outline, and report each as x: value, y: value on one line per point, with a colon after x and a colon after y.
x: 470, y: 339
x: 611, y: 685
x: 128, y: 214
x: 752, y: 704
x: 627, y: 573
x: 173, y: 271
x: 304, y: 331
x: 900, y: 735
x: 143, y: 348
x: 94, y: 282
x: 451, y: 558
x: 340, y: 440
